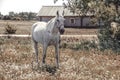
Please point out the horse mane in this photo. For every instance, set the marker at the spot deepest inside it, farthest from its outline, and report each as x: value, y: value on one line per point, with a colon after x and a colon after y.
x: 50, y: 25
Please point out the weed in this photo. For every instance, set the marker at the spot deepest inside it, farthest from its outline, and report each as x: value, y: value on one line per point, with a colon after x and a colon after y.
x: 63, y: 45
x: 10, y: 29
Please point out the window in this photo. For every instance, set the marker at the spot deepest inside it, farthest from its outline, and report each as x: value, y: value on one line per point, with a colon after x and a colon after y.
x: 72, y: 20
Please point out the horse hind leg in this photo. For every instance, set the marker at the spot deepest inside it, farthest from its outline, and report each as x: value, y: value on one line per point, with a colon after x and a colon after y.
x: 36, y: 51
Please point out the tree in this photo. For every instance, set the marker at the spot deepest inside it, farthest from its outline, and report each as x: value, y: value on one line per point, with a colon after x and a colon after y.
x: 31, y: 16
x: 1, y: 15
x: 106, y: 11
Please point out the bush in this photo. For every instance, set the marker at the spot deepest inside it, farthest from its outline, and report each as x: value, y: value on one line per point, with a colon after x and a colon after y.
x: 10, y: 29
x: 64, y: 45
x: 6, y: 18
x: 109, y: 38
x: 86, y: 45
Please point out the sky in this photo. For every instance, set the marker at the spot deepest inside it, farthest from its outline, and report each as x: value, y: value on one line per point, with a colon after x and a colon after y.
x: 17, y: 6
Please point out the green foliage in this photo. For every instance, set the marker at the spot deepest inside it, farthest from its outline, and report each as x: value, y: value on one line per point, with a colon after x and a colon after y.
x: 1, y: 41
x: 64, y: 45
x: 108, y: 14
x: 107, y: 41
x: 86, y: 45
x: 83, y: 45
x: 105, y: 11
x: 19, y: 16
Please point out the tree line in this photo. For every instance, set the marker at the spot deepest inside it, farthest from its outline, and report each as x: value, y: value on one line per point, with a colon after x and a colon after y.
x: 19, y: 16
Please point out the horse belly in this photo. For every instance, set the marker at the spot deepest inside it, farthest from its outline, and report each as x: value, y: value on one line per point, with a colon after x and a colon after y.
x: 38, y: 37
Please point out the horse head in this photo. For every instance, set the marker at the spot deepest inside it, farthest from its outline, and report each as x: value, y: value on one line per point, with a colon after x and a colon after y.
x: 59, y: 23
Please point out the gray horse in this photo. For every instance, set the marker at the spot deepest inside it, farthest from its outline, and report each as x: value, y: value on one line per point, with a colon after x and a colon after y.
x: 48, y: 34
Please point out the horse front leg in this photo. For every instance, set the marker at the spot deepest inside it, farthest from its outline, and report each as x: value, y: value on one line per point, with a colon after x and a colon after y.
x: 44, y: 54
x: 57, y: 54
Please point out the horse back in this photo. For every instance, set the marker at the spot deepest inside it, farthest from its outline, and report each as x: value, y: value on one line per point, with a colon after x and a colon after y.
x: 38, y: 31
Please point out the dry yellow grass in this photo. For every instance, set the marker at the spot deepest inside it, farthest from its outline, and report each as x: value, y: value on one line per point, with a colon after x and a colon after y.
x: 17, y: 62
x: 23, y: 27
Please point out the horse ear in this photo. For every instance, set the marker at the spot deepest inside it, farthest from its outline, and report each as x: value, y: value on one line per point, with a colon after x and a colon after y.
x: 57, y: 13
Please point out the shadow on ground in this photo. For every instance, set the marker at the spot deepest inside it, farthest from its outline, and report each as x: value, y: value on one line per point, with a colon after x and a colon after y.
x: 46, y: 68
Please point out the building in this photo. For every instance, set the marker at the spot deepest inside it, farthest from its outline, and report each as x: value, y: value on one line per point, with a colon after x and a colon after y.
x: 71, y: 20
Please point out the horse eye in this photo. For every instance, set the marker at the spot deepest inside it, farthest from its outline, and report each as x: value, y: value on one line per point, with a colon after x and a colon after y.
x: 58, y: 20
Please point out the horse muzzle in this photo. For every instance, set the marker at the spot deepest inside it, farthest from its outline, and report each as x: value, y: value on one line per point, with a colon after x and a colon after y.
x: 62, y: 31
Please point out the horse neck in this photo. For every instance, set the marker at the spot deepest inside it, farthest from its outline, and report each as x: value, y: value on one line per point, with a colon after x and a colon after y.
x: 50, y: 25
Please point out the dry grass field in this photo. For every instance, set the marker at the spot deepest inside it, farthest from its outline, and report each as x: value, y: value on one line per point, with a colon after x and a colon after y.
x: 17, y: 60
x: 24, y: 27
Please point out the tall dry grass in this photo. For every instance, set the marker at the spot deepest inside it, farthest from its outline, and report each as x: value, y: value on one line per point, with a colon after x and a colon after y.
x: 17, y: 62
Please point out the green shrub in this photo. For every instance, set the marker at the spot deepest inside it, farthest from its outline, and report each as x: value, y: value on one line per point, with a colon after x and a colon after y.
x: 109, y: 39
x: 86, y: 45
x: 1, y: 41
x: 63, y: 45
